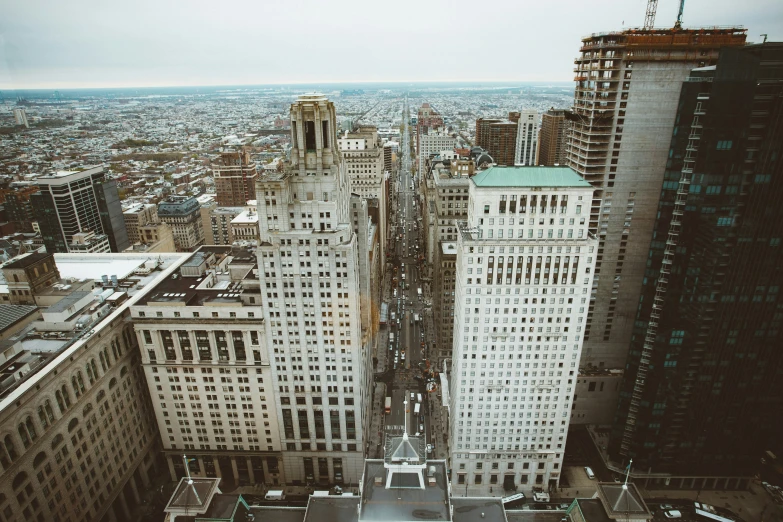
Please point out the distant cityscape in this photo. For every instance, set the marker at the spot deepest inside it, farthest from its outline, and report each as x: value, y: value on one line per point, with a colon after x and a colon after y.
x: 544, y: 302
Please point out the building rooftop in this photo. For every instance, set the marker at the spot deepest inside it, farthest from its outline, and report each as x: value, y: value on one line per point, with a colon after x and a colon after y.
x: 622, y: 499
x: 178, y: 206
x: 529, y: 177
x: 210, y: 275
x: 11, y: 314
x: 403, y: 500
x: 25, y: 260
x: 592, y: 510
x: 49, y: 347
x: 478, y: 509
x: 342, y: 509
x: 195, y: 497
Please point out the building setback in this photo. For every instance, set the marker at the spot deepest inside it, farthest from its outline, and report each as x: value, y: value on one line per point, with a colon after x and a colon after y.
x: 705, y: 360
x: 625, y: 103
x: 524, y: 272
x: 309, y: 279
x: 553, y: 137
x: 70, y: 202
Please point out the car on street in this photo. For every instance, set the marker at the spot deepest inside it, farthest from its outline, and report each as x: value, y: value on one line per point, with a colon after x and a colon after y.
x: 429, y: 449
x: 672, y: 514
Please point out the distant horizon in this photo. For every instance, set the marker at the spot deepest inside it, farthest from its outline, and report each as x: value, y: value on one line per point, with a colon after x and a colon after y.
x: 375, y: 83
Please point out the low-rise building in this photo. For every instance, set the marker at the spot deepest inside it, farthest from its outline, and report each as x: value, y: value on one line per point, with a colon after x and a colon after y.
x: 79, y: 439
x: 136, y: 216
x: 89, y: 242
x: 244, y: 227
x: 28, y: 274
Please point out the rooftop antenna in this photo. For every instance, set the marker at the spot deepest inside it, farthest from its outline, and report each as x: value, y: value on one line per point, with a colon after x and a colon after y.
x: 765, y: 35
x: 627, y: 472
x: 190, y: 479
x: 405, y: 418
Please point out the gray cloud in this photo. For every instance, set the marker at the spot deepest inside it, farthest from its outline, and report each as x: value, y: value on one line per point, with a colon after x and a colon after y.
x: 81, y: 43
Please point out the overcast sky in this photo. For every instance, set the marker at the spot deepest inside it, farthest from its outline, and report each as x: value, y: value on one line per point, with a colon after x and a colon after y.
x: 121, y: 43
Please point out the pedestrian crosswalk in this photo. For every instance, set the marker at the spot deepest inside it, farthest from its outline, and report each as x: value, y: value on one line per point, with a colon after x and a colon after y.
x: 395, y: 427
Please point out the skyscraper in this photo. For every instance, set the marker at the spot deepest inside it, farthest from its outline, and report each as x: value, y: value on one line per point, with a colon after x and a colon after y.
x: 70, y: 202
x: 362, y: 152
x: 235, y: 178
x: 309, y: 279
x: 526, y: 150
x: 702, y: 390
x: 552, y: 138
x: 524, y: 272
x: 625, y: 103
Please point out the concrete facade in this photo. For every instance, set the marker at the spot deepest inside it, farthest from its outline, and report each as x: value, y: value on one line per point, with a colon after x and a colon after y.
x: 308, y: 268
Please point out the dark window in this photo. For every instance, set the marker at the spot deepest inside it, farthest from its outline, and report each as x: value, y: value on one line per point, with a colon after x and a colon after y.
x: 310, y: 135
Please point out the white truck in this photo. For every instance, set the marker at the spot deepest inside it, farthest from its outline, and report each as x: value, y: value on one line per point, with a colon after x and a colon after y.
x: 419, y: 292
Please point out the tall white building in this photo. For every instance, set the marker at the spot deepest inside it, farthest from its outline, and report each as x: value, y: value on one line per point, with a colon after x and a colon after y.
x: 309, y: 279
x: 526, y: 152
x: 433, y: 143
x: 524, y: 271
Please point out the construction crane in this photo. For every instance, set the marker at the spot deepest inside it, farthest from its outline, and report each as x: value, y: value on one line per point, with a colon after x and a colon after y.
x: 649, y: 18
x: 652, y: 7
x: 678, y: 23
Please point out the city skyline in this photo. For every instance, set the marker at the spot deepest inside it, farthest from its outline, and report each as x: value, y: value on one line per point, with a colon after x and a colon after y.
x: 46, y: 46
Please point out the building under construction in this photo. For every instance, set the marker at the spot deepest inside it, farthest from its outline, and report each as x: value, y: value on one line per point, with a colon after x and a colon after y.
x: 627, y: 90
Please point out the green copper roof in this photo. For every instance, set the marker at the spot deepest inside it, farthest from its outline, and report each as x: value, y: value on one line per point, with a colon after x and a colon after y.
x: 529, y: 177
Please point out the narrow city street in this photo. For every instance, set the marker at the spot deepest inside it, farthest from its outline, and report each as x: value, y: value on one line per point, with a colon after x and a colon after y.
x: 406, y: 348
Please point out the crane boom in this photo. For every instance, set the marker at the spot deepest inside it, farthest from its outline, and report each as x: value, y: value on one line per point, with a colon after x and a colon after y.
x: 649, y: 18
x: 678, y: 23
